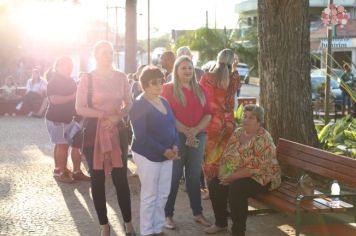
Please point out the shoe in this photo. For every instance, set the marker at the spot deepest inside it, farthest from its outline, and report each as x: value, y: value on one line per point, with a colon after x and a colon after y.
x: 205, y: 196
x: 37, y: 115
x: 6, y: 114
x: 80, y: 176
x: 65, y: 178
x: 214, y: 229
x: 13, y: 114
x: 201, y: 220
x: 130, y: 234
x: 162, y: 234
x: 169, y: 223
x: 56, y: 172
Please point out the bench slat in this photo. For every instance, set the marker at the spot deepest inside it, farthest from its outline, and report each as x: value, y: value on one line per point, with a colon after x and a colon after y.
x: 337, y: 167
x: 322, y: 171
x: 282, y: 143
x: 317, y: 161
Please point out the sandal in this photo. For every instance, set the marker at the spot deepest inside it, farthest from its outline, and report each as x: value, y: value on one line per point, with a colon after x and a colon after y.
x: 214, y: 229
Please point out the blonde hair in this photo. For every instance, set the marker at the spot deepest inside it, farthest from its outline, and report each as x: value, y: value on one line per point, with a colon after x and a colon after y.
x: 223, y: 65
x: 177, y: 88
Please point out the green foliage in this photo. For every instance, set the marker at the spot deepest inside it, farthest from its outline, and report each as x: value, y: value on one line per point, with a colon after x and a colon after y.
x: 163, y: 41
x: 238, y: 114
x: 208, y: 42
x: 340, y: 137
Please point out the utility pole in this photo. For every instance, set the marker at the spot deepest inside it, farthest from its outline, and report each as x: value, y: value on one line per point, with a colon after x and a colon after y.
x: 328, y: 71
x: 148, y: 34
x: 130, y: 36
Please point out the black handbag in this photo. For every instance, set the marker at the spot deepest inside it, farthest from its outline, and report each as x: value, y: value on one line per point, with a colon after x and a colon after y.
x: 85, y: 137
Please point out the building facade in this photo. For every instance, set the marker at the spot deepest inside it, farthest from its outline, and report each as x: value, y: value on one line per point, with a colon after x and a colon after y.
x: 344, y: 39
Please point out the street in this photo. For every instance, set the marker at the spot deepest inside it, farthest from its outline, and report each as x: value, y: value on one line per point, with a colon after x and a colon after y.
x: 250, y: 90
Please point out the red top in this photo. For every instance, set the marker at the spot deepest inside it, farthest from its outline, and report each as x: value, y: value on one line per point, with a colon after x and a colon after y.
x: 191, y: 114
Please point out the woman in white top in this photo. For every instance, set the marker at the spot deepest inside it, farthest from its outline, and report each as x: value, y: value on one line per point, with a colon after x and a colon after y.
x: 35, y: 93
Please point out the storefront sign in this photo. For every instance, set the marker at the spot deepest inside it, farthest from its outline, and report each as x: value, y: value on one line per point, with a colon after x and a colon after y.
x: 337, y: 43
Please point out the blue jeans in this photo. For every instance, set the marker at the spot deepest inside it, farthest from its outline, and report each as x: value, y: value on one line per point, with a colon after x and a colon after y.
x: 191, y: 161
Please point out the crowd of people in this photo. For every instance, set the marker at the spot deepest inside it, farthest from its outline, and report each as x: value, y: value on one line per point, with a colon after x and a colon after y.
x: 182, y: 126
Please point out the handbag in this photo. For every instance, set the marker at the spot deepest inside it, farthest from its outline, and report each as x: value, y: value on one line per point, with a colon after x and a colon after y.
x: 81, y: 133
x: 305, y: 186
x: 72, y: 129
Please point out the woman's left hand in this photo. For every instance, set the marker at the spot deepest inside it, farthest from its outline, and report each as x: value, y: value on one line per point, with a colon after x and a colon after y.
x: 228, y: 180
x: 192, y: 132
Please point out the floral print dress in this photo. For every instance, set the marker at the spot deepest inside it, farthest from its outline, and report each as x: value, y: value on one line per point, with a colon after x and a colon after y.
x: 258, y: 156
x: 222, y: 122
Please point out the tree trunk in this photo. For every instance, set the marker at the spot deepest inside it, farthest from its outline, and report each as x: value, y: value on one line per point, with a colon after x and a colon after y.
x: 284, y: 68
x: 131, y: 36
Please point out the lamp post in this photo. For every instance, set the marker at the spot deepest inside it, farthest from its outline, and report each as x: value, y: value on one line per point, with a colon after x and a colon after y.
x: 328, y: 72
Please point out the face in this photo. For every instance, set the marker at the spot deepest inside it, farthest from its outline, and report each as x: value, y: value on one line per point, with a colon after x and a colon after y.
x: 249, y: 121
x: 35, y: 75
x: 185, y: 71
x: 104, y: 55
x: 155, y: 87
x: 65, y: 68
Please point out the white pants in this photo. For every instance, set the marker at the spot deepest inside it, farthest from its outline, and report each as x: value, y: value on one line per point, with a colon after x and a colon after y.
x: 155, y: 178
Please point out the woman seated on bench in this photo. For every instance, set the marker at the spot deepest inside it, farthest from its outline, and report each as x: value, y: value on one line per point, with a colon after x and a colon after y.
x: 247, y: 167
x: 34, y: 99
x: 8, y: 97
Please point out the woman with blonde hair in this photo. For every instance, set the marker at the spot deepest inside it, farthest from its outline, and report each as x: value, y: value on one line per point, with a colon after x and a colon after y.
x: 220, y: 84
x: 104, y: 98
x: 192, y: 111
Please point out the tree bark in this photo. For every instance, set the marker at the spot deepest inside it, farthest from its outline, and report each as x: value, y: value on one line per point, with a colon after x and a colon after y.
x: 131, y: 36
x: 284, y: 68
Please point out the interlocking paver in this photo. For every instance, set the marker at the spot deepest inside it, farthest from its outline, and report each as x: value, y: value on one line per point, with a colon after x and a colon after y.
x: 33, y: 203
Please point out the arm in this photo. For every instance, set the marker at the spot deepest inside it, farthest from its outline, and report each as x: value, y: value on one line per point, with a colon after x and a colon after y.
x: 123, y: 111
x: 201, y: 126
x: 57, y: 99
x: 240, y: 173
x: 81, y: 103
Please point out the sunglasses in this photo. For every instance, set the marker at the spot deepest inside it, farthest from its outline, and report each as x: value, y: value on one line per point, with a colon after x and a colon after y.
x: 156, y: 82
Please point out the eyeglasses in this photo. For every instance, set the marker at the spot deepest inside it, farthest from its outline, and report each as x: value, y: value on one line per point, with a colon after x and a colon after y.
x: 156, y: 82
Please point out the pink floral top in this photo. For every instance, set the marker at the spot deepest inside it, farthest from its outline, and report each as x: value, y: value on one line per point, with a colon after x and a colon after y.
x: 258, y: 156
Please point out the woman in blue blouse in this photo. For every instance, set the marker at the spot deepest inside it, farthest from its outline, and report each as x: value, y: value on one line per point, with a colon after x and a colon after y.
x: 154, y: 146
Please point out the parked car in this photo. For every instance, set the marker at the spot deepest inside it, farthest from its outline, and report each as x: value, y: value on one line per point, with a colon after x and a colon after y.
x: 335, y: 91
x: 244, y: 72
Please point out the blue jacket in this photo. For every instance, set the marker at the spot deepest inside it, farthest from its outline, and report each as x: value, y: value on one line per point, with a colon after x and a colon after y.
x: 153, y: 131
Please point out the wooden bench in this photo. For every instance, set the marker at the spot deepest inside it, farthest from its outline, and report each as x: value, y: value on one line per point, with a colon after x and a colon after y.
x: 313, y: 209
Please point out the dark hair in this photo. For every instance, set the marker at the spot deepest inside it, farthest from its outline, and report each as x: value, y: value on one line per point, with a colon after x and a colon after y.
x: 150, y: 73
x: 345, y: 66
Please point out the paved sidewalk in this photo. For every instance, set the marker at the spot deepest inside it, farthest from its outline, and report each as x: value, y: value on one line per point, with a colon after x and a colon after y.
x: 33, y: 203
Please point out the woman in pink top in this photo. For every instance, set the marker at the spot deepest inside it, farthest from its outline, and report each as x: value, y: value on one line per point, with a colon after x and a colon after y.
x: 192, y: 112
x: 109, y: 101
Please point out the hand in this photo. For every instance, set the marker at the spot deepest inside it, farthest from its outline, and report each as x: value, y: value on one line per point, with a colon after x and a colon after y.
x: 234, y: 65
x: 175, y: 150
x: 192, y: 132
x: 169, y: 154
x: 228, y: 180
x: 190, y: 141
